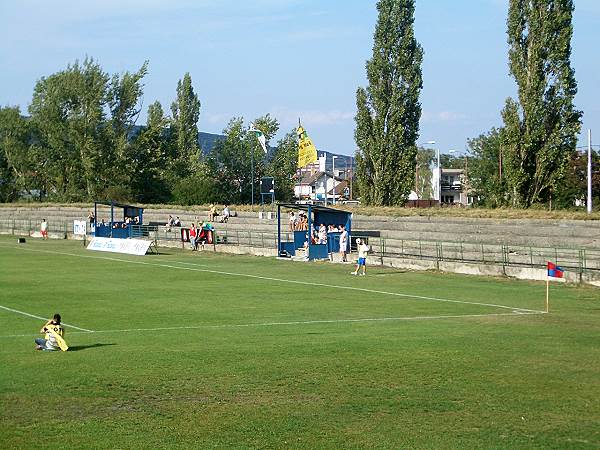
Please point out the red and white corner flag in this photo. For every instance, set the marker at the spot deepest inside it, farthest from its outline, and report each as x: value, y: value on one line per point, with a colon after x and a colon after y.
x: 554, y: 273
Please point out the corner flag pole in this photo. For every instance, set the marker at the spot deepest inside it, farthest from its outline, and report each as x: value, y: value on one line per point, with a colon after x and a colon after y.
x: 547, y: 289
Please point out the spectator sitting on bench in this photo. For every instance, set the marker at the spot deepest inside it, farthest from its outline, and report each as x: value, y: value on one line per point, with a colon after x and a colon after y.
x: 225, y: 214
x: 212, y: 213
x: 177, y: 222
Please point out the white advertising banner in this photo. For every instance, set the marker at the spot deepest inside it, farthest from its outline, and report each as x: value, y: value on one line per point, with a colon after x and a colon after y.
x: 79, y: 227
x: 129, y: 246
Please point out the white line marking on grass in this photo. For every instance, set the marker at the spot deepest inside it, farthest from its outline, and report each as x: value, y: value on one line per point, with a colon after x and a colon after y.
x: 281, y: 280
x: 43, y: 318
x: 191, y: 264
x: 300, y: 322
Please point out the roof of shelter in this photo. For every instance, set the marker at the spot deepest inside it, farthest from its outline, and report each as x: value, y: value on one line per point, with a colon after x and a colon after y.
x: 313, y: 208
x: 118, y: 205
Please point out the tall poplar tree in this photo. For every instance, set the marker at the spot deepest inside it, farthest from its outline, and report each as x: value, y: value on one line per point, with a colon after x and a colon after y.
x: 387, y: 121
x: 540, y: 128
x: 186, y: 112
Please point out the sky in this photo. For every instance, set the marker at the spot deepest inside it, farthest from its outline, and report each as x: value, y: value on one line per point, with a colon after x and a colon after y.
x: 289, y: 58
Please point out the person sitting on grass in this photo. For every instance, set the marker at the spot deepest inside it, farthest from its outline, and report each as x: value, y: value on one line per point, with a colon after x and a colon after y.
x: 54, y: 336
x: 363, y: 249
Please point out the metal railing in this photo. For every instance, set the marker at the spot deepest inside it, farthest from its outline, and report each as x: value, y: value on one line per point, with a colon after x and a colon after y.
x: 579, y: 260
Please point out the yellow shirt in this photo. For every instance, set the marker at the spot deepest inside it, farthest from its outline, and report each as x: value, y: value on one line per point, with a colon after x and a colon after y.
x: 54, y: 337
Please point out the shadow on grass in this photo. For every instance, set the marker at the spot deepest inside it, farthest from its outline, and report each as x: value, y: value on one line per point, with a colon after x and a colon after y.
x: 388, y: 272
x: 77, y: 348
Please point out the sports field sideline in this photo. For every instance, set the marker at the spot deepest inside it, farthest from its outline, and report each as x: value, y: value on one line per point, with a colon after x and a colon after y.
x: 184, y: 350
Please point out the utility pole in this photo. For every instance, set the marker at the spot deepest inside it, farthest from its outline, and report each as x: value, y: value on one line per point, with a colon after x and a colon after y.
x: 252, y: 175
x: 589, y: 173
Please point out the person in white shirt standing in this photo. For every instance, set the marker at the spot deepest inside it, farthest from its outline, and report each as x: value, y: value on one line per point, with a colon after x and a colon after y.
x: 44, y: 229
x: 363, y: 249
x: 343, y: 243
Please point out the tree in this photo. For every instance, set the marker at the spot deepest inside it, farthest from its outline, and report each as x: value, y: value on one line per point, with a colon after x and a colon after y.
x: 186, y: 112
x: 282, y: 166
x: 424, y: 174
x: 576, y: 179
x: 68, y: 115
x: 540, y: 128
x: 485, y: 174
x: 124, y: 94
x: 233, y: 159
x: 387, y: 121
x: 147, y: 158
x: 17, y: 169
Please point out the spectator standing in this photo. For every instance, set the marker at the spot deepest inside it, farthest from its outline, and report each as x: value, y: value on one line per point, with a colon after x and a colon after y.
x: 322, y: 234
x: 44, y: 229
x: 363, y: 250
x: 193, y: 235
x: 343, y: 243
x: 91, y: 217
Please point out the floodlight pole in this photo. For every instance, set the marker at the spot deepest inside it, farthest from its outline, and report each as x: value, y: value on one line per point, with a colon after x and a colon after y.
x: 589, y: 173
x: 252, y: 176
x: 333, y: 173
x: 278, y: 230
x: 439, y: 177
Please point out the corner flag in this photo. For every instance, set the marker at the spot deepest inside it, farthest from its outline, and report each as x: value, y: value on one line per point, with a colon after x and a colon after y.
x: 554, y: 273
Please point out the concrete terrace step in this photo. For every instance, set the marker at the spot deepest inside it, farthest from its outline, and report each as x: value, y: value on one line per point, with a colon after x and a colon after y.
x: 499, y: 239
x: 484, y: 221
x: 475, y: 228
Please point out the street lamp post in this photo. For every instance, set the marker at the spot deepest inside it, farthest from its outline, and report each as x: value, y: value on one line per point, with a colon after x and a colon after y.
x: 351, y: 175
x: 589, y: 173
x: 439, y: 177
x: 333, y: 173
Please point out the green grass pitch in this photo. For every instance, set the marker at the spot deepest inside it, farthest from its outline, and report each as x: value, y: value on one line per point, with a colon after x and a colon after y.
x: 204, y: 350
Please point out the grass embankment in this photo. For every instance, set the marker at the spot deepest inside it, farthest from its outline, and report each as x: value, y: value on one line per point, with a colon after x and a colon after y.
x: 497, y: 213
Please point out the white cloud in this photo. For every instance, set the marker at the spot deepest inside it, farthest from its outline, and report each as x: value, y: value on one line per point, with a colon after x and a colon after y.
x: 451, y: 116
x: 442, y: 116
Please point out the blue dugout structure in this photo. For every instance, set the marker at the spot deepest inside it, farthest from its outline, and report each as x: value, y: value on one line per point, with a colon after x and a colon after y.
x: 118, y: 226
x: 316, y: 215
